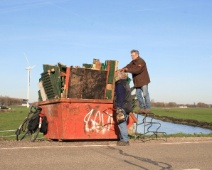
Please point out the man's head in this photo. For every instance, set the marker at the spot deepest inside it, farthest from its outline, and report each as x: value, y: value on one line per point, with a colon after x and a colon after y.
x: 134, y: 54
x: 121, y: 76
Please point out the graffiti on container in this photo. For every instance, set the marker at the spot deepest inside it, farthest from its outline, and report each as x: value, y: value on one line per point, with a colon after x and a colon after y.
x: 95, y: 121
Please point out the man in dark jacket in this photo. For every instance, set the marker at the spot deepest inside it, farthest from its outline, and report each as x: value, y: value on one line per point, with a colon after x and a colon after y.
x: 141, y: 80
x: 123, y: 102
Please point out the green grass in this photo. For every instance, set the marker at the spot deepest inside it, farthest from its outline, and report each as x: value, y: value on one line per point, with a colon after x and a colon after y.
x: 132, y: 136
x: 200, y: 114
x: 12, y: 119
x: 189, y: 135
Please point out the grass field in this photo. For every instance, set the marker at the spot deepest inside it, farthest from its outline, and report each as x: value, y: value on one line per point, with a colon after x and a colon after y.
x: 200, y: 114
x: 12, y: 119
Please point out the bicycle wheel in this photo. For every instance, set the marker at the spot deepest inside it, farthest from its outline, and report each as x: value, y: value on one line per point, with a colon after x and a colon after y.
x: 22, y: 130
x: 34, y: 134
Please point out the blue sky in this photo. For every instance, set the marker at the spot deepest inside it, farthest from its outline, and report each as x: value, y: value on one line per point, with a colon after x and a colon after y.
x: 173, y: 37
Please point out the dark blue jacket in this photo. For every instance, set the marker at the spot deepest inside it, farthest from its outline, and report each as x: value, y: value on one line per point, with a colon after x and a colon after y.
x: 123, y: 97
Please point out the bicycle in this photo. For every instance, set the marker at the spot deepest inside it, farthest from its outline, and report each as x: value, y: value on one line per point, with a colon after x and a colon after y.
x: 27, y: 127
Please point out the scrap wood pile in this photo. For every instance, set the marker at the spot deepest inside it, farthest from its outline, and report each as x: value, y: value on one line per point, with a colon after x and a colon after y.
x: 91, y: 81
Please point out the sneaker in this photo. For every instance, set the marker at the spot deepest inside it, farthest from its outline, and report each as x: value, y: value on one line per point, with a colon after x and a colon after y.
x: 122, y: 143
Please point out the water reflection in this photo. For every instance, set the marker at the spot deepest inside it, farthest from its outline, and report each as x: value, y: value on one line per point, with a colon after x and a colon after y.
x: 171, y: 128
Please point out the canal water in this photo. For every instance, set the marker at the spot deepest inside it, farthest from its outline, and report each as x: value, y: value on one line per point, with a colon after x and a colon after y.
x: 171, y: 128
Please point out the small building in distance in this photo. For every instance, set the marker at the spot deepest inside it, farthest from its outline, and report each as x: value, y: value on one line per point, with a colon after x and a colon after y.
x: 183, y: 107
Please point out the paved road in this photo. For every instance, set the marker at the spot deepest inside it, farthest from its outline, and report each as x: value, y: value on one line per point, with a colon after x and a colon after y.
x: 159, y: 155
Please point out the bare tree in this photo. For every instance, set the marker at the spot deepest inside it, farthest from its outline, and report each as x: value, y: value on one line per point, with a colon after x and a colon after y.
x: 7, y: 101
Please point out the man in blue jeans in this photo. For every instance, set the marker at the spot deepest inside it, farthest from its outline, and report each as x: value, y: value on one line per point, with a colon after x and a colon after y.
x: 141, y: 80
x: 123, y: 104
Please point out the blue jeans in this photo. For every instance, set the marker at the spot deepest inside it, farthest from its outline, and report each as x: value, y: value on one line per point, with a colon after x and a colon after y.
x: 123, y: 136
x: 144, y: 101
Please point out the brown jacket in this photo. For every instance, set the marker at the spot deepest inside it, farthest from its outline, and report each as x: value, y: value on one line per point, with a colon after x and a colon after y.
x: 139, y: 72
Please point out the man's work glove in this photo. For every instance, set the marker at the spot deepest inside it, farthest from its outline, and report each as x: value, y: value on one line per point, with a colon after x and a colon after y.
x: 120, y: 116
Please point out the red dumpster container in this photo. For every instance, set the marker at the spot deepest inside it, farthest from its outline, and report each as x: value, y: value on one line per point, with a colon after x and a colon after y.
x: 80, y: 119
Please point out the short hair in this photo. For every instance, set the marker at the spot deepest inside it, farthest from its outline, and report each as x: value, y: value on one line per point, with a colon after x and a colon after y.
x: 122, y: 75
x: 134, y: 51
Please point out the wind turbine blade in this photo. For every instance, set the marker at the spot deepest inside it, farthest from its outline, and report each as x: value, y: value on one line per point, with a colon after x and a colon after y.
x: 33, y: 66
x: 26, y: 59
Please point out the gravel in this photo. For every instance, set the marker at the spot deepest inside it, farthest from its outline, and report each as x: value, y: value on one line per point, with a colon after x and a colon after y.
x: 13, y: 143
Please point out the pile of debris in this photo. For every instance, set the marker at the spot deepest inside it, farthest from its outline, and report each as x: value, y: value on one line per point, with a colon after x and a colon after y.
x: 91, y: 81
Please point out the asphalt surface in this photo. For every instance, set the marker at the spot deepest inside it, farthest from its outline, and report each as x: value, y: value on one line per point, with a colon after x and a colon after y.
x: 176, y: 154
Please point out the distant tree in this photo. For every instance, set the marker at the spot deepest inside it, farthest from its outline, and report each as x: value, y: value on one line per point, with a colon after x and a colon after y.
x: 172, y: 104
x: 7, y: 101
x: 160, y: 104
x: 202, y: 105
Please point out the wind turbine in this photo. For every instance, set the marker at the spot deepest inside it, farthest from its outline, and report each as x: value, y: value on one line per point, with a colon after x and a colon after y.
x: 28, y: 68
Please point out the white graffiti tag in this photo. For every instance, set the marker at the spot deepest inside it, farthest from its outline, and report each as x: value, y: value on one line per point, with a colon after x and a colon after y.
x: 94, y: 122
